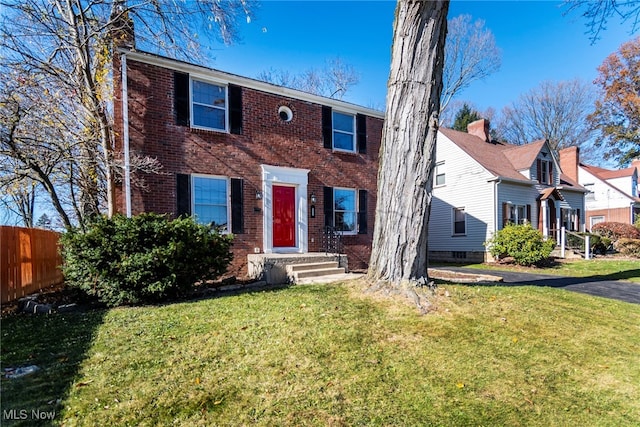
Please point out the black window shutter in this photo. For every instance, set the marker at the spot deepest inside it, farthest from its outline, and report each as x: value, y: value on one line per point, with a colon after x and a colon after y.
x: 181, y: 98
x: 235, y: 109
x: 550, y: 180
x: 361, y: 128
x: 577, y: 224
x: 183, y: 195
x: 327, y: 127
x: 529, y: 213
x: 505, y: 214
x: 328, y: 206
x: 362, y: 211
x: 539, y: 166
x: 237, y: 217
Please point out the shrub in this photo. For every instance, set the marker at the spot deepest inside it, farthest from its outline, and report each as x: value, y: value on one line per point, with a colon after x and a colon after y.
x: 147, y: 258
x: 616, y: 230
x: 522, y: 242
x: 628, y: 247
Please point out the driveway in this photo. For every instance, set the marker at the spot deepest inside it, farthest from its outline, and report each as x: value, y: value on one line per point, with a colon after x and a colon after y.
x: 614, y: 289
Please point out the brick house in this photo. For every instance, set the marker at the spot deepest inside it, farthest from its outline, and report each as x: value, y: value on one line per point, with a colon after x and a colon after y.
x: 272, y: 165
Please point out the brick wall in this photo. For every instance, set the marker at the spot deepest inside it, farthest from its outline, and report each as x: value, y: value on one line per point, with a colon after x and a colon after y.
x: 265, y: 140
x: 610, y: 215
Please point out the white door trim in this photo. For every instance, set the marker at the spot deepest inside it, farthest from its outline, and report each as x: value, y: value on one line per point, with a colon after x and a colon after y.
x: 297, y: 178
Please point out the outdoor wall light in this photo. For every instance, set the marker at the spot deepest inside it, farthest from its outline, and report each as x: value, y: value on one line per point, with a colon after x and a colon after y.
x: 313, y: 198
x: 258, y: 195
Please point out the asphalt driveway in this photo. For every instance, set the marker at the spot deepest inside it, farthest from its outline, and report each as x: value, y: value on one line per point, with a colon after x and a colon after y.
x: 614, y: 289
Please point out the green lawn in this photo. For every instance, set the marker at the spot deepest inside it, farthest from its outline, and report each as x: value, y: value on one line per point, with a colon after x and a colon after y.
x: 332, y: 355
x: 613, y: 269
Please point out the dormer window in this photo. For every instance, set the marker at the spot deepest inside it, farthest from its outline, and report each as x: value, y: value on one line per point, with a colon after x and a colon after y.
x: 545, y: 172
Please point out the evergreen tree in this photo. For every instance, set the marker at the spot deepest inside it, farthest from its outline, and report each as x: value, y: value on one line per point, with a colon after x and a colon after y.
x: 463, y: 117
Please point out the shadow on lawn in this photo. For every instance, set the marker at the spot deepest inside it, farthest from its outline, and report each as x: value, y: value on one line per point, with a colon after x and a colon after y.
x: 57, y: 344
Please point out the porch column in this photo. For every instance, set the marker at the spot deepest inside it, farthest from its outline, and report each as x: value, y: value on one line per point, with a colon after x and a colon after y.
x: 558, y: 221
x: 545, y: 220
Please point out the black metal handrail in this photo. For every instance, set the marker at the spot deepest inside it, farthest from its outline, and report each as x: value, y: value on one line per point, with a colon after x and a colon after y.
x: 331, y: 240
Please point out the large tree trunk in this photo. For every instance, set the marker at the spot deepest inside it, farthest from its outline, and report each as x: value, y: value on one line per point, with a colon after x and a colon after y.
x: 399, y: 252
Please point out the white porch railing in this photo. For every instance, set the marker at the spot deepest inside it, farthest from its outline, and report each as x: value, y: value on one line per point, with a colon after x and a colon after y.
x: 563, y: 243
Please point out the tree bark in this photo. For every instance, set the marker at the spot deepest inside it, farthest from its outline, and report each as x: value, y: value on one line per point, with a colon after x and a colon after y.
x: 405, y: 175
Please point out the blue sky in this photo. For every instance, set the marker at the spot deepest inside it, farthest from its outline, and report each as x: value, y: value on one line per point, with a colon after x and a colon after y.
x: 537, y: 42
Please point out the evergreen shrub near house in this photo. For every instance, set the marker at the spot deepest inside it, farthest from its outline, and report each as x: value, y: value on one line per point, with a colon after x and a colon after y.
x: 147, y: 258
x: 616, y: 230
x: 523, y: 243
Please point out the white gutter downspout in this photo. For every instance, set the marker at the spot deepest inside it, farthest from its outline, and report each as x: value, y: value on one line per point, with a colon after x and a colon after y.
x: 125, y: 136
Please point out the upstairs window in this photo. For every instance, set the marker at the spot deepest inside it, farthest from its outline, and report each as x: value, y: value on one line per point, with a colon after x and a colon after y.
x: 344, y: 131
x: 439, y: 173
x: 545, y: 172
x: 208, y: 105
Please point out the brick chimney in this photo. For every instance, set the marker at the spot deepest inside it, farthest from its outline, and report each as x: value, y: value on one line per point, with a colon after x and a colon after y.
x: 479, y: 128
x: 569, y: 161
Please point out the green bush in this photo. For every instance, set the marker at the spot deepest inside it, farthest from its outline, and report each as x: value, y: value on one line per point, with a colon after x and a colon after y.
x: 628, y: 247
x: 522, y: 242
x: 147, y: 258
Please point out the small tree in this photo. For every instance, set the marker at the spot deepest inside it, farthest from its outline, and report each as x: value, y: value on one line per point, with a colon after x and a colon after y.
x: 523, y: 243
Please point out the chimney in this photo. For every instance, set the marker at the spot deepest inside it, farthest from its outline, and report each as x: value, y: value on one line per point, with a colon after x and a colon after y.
x: 569, y: 161
x: 479, y: 128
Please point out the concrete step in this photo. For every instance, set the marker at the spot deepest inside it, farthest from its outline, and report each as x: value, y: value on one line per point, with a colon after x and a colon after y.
x: 305, y: 274
x: 291, y: 268
x: 329, y: 279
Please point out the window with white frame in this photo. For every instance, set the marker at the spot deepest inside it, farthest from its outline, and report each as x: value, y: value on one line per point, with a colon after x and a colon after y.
x: 344, y: 131
x: 596, y: 220
x: 590, y: 196
x: 569, y: 219
x: 208, y: 105
x: 345, y: 210
x: 440, y: 174
x: 517, y: 214
x: 211, y: 200
x: 459, y: 221
x: 545, y: 175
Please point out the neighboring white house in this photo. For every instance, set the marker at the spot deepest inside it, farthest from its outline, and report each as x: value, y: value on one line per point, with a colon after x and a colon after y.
x: 481, y: 185
x: 613, y: 194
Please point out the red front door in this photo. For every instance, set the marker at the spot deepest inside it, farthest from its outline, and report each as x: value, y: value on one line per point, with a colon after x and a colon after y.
x: 284, y: 216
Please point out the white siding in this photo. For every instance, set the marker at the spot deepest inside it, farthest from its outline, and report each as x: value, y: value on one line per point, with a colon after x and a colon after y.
x: 574, y: 200
x: 466, y: 186
x: 604, y: 196
x: 624, y: 183
x: 517, y: 194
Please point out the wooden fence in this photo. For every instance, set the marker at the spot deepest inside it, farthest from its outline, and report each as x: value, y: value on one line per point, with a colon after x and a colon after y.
x: 29, y: 261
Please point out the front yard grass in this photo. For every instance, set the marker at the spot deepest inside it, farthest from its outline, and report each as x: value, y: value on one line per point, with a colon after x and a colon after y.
x: 332, y: 355
x: 606, y: 268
